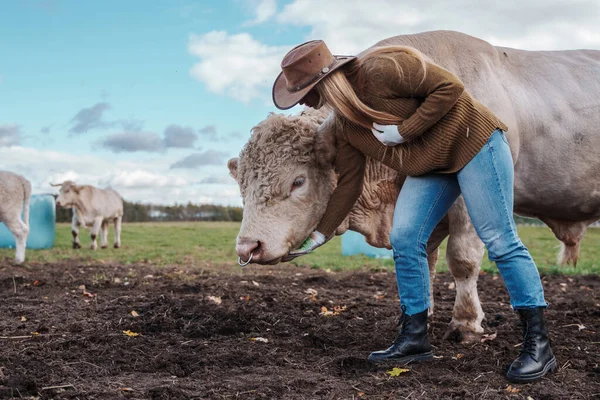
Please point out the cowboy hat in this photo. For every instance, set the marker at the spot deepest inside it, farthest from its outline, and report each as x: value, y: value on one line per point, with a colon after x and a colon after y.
x: 302, y: 68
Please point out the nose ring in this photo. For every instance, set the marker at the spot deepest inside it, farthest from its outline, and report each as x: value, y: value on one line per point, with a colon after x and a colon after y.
x: 242, y: 263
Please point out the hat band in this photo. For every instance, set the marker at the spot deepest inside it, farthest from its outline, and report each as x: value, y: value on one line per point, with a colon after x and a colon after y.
x: 314, y: 78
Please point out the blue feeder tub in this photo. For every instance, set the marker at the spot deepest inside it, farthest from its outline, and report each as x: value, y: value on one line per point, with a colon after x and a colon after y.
x: 42, y: 224
x: 355, y: 243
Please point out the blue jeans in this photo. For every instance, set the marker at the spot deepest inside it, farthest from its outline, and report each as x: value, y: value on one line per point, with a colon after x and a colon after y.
x: 486, y: 184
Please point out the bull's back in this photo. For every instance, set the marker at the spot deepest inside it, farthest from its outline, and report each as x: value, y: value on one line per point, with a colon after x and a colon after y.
x: 550, y: 101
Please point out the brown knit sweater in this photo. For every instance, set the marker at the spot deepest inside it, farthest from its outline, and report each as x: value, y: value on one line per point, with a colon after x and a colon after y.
x: 444, y: 128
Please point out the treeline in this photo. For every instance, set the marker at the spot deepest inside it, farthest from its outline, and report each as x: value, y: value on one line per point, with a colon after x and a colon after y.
x: 137, y: 212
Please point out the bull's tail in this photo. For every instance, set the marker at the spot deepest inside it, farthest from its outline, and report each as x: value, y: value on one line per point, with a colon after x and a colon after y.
x: 26, y: 201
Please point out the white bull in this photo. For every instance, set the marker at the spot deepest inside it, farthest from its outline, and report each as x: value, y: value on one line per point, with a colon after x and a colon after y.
x: 15, y: 194
x: 94, y: 208
x: 550, y: 101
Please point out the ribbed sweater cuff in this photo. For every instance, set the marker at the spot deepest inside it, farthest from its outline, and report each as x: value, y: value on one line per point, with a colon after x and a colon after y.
x: 412, y: 128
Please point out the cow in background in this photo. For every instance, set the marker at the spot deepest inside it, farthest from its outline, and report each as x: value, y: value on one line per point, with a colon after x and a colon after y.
x: 15, y: 193
x: 92, y: 207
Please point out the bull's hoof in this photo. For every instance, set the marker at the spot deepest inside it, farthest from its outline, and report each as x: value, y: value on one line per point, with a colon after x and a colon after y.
x: 92, y: 247
x: 117, y: 245
x: 105, y: 246
x: 76, y: 246
x: 462, y: 334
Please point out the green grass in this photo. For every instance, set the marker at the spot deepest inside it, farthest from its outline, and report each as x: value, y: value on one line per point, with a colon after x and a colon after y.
x: 212, y: 244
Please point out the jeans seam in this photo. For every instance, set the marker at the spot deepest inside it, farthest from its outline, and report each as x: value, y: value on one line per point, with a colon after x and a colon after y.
x: 419, y: 236
x: 502, y: 195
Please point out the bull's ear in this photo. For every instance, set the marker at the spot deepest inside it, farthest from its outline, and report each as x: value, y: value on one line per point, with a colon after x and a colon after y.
x: 325, y: 145
x: 232, y: 164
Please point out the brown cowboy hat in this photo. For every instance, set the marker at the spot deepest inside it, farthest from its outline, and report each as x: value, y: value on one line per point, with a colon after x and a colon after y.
x: 302, y: 68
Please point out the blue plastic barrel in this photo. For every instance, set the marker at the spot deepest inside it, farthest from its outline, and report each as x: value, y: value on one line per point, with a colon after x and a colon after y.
x: 42, y: 224
x: 355, y: 243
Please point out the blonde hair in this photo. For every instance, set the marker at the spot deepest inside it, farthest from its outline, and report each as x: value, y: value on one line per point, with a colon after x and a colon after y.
x: 337, y: 91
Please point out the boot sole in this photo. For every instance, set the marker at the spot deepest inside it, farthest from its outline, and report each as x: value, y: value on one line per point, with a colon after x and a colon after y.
x: 406, y: 359
x: 548, y: 368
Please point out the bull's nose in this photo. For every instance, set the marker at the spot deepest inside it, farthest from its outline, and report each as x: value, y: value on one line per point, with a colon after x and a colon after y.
x: 246, y: 246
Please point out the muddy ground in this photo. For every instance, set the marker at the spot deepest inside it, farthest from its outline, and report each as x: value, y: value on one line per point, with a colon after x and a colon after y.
x: 55, y: 333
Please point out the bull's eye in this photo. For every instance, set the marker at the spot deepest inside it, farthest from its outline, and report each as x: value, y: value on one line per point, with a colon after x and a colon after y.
x: 298, y: 182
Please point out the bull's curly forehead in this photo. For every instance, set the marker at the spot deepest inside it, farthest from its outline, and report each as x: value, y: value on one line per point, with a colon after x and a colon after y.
x: 277, y: 145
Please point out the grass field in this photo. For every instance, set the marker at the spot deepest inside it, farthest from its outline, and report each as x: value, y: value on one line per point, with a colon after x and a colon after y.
x: 211, y: 244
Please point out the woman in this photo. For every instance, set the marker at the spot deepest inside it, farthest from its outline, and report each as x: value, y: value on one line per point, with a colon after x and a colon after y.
x: 412, y: 115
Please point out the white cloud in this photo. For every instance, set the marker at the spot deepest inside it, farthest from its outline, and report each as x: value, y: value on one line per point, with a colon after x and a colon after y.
x: 241, y: 67
x: 139, y: 178
x: 349, y: 26
x: 264, y: 10
x: 236, y: 65
x: 147, y: 181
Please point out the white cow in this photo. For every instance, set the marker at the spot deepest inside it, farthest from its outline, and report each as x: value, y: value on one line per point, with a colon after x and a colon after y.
x: 92, y: 207
x: 15, y: 193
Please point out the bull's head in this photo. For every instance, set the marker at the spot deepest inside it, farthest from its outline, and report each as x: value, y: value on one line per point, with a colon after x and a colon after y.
x: 286, y: 177
x: 68, y: 193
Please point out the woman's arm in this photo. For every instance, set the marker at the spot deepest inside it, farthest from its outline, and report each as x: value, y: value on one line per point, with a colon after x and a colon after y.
x: 350, y: 165
x: 439, y: 90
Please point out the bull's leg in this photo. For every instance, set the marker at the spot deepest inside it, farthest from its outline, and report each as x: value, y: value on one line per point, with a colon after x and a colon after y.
x: 20, y: 231
x: 104, y: 235
x: 94, y: 233
x: 118, y: 232
x: 464, y: 254
x: 75, y: 230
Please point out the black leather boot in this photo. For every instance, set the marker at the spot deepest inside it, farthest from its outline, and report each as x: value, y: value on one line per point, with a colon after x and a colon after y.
x: 411, y: 343
x: 535, y: 358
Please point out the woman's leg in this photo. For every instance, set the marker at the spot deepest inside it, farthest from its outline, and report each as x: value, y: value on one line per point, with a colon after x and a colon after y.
x: 487, y: 187
x: 486, y: 183
x: 421, y: 205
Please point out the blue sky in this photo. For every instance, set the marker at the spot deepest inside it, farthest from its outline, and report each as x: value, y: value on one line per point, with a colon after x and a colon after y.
x: 153, y: 97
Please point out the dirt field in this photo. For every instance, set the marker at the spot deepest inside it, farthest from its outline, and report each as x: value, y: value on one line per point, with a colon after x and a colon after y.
x: 55, y: 333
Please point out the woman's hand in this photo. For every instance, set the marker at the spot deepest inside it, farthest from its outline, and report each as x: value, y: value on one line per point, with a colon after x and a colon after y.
x: 315, y: 240
x: 387, y: 134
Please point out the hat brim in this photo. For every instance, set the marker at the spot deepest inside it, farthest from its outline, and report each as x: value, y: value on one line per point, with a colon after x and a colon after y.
x: 284, y: 99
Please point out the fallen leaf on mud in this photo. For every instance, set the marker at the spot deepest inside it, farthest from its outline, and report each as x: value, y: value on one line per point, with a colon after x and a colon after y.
x: 130, y: 333
x: 38, y: 283
x: 260, y: 339
x: 529, y: 398
x: 336, y: 311
x: 360, y: 394
x: 486, y: 337
x: 23, y: 319
x: 126, y: 389
x: 313, y: 293
x: 397, y: 371
x: 245, y: 298
x: 459, y: 356
x: 149, y: 277
x: 511, y: 389
x: 255, y: 283
x: 214, y: 299
x: 117, y: 280
x: 135, y: 314
x: 452, y: 286
x: 326, y: 312
x: 379, y: 295
x: 85, y: 292
x: 35, y: 333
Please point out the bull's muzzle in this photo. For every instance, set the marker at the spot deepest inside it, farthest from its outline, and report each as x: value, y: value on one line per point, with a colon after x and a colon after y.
x: 247, y: 249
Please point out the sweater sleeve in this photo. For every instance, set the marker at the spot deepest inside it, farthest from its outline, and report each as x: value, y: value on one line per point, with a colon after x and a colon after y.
x: 350, y: 164
x: 439, y: 90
